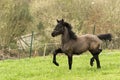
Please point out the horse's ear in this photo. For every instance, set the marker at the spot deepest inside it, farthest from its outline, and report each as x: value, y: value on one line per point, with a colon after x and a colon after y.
x: 57, y: 20
x: 62, y: 20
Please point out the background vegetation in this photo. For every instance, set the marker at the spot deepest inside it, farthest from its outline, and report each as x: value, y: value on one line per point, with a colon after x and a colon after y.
x: 20, y: 17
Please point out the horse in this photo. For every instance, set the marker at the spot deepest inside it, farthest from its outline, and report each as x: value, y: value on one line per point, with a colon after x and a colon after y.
x: 71, y: 44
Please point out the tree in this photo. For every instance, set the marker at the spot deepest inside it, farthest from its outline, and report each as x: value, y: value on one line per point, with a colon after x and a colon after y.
x: 16, y: 18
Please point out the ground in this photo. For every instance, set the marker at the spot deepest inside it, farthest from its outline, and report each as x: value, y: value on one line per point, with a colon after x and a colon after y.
x: 42, y: 68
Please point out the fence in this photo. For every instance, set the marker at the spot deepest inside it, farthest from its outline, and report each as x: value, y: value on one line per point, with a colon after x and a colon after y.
x: 27, y: 47
x: 48, y: 48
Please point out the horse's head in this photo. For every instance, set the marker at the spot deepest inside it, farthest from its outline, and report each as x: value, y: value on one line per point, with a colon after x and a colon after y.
x: 59, y: 29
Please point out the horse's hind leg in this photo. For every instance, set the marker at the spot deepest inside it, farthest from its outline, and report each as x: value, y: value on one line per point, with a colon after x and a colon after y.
x: 96, y: 57
x: 91, y: 61
x: 54, y: 55
x: 97, y: 61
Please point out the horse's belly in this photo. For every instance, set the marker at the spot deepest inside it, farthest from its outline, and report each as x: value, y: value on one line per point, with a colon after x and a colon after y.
x: 78, y: 52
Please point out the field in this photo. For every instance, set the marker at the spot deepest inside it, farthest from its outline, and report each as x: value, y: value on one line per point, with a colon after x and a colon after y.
x: 41, y: 68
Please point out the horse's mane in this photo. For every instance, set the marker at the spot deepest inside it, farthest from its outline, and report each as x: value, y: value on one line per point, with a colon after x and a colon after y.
x: 71, y: 33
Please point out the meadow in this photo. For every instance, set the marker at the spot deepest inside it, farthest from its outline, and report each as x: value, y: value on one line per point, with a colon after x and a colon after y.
x: 42, y: 68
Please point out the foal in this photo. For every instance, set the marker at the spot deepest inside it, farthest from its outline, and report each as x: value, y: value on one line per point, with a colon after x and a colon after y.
x: 72, y: 44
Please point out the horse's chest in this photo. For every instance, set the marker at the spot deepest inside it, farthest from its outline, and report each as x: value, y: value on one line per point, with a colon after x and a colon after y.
x: 73, y: 49
x: 67, y: 49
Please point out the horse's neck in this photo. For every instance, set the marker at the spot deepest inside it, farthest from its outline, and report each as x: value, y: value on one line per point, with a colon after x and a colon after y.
x: 65, y: 36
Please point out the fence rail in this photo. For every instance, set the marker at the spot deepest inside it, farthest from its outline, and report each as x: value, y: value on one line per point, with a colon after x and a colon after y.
x: 46, y: 48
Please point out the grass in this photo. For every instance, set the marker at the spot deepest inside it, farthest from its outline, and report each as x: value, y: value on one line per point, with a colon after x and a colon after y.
x: 41, y: 68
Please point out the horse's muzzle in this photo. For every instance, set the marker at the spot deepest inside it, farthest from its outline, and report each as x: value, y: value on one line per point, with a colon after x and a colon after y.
x: 53, y: 34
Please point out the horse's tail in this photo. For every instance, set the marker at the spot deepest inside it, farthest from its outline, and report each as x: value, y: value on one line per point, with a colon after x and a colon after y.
x: 105, y: 36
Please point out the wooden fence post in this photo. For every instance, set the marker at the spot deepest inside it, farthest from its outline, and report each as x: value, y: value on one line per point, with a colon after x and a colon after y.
x: 31, y: 44
x: 45, y: 49
x: 94, y: 29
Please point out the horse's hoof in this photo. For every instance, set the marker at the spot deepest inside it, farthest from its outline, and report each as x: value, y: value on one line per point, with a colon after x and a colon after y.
x: 56, y: 63
x: 99, y: 67
x: 91, y: 63
x: 70, y: 68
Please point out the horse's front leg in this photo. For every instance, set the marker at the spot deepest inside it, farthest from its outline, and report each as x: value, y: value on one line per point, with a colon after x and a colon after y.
x: 54, y: 55
x: 70, y: 61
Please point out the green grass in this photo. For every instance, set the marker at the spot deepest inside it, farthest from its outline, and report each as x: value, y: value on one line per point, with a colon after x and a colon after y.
x: 41, y: 68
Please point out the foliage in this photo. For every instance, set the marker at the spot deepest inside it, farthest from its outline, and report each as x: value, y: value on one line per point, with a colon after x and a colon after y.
x: 41, y: 68
x: 19, y: 17
x: 14, y: 16
x: 82, y: 14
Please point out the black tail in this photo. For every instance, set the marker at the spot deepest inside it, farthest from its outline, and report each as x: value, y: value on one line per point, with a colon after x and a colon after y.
x: 105, y: 36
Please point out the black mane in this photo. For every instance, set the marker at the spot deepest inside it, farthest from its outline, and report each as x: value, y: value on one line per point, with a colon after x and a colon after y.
x: 71, y: 33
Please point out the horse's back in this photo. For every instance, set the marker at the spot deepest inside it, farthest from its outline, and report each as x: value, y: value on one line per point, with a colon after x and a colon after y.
x: 90, y: 41
x: 90, y: 38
